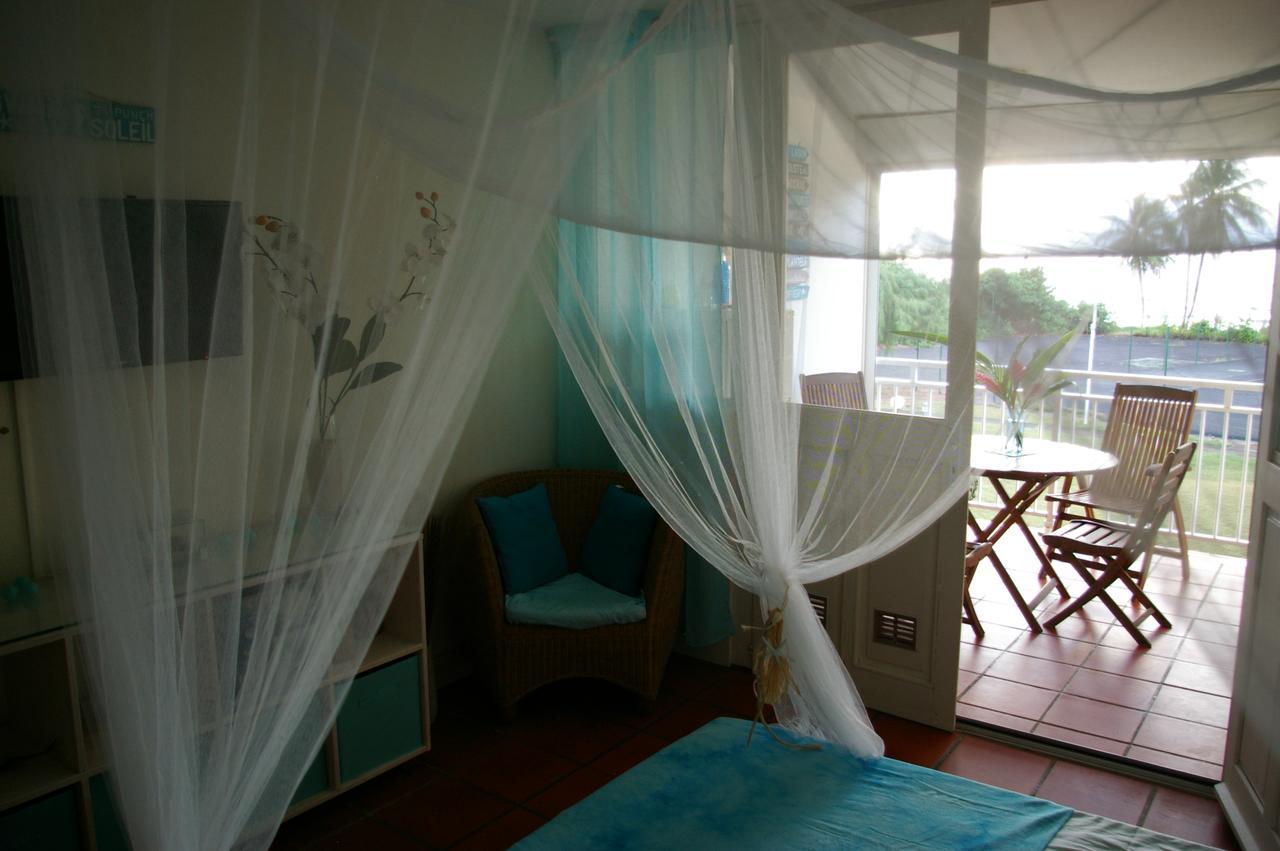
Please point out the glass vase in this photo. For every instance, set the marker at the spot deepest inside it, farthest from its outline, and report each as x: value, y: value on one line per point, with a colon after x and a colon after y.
x: 1015, y: 425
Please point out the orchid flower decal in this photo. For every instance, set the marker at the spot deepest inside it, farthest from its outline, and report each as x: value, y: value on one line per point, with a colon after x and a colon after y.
x: 343, y: 365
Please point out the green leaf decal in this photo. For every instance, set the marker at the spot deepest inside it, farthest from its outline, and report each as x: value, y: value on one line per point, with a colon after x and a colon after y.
x: 374, y: 372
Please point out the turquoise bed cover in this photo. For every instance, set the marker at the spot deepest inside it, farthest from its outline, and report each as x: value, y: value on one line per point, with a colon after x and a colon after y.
x: 710, y: 791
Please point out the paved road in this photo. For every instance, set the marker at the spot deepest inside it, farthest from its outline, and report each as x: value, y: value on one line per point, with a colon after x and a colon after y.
x: 1146, y: 356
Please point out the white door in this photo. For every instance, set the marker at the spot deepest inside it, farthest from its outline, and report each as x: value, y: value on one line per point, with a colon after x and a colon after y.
x: 1250, y: 788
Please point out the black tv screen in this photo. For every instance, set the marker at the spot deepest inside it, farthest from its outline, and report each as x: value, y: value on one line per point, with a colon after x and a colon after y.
x: 210, y: 234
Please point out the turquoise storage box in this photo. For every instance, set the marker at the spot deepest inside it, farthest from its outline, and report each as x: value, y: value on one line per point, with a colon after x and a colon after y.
x: 48, y: 824
x: 106, y: 822
x: 315, y: 781
x: 381, y: 719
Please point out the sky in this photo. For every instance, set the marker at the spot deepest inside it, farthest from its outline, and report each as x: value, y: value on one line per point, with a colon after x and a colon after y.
x: 1029, y: 205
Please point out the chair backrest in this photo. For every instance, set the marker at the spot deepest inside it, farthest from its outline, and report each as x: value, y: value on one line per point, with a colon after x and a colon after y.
x: 1145, y: 424
x: 1164, y: 490
x: 835, y: 390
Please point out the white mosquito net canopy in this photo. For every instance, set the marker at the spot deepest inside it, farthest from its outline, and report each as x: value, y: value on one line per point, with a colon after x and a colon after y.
x: 260, y: 253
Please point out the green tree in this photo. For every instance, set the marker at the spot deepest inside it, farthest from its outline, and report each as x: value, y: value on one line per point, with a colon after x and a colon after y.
x: 1142, y: 238
x: 910, y: 301
x: 1018, y: 304
x: 1215, y: 213
x: 1011, y: 304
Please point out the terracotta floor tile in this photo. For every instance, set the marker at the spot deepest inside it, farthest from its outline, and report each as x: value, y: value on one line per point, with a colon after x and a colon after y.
x: 1232, y: 566
x: 1009, y: 697
x: 1163, y: 642
x: 1094, y: 717
x: 996, y: 637
x: 1112, y: 688
x: 1095, y: 791
x: 968, y: 712
x: 996, y: 764
x: 1053, y: 647
x: 1199, y: 678
x: 683, y: 720
x: 443, y: 812
x: 568, y: 791
x: 732, y: 697
x: 1088, y: 630
x: 1029, y: 670
x: 1190, y: 817
x: 975, y: 658
x: 911, y: 742
x: 1084, y: 740
x: 964, y: 679
x: 1194, y: 767
x: 1176, y: 588
x: 1224, y: 596
x: 632, y: 752
x: 1173, y: 606
x: 1192, y: 706
x: 1134, y: 662
x: 515, y: 772
x: 369, y: 833
x: 1220, y: 656
x: 1226, y: 614
x: 1231, y: 583
x: 503, y: 833
x: 1000, y: 613
x: 305, y: 829
x: 1221, y: 633
x: 1184, y: 738
x: 574, y: 736
x: 390, y: 787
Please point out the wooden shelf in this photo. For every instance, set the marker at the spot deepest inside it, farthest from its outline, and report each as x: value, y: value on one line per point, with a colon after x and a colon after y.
x: 41, y: 690
x: 385, y: 648
x: 33, y: 777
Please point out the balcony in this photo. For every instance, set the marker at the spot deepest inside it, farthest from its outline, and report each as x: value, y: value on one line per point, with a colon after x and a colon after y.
x: 1087, y: 684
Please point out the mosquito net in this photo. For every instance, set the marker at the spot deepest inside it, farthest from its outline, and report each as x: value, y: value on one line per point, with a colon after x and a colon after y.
x: 260, y: 254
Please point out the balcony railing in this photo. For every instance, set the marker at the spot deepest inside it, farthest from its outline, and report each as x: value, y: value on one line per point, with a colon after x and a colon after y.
x: 1218, y: 492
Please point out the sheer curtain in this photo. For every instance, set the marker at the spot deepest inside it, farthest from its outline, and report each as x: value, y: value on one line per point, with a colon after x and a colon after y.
x: 264, y: 249
x: 263, y: 268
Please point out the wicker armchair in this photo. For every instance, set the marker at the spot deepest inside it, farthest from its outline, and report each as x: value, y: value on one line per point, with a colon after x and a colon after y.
x: 515, y: 659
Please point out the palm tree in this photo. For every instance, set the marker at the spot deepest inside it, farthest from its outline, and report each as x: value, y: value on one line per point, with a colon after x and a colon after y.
x: 1216, y: 214
x: 1143, y: 238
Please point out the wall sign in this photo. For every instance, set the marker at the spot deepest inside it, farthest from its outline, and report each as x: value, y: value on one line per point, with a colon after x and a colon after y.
x: 88, y: 117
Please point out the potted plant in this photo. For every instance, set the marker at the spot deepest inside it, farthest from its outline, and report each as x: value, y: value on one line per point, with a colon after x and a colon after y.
x: 1021, y: 384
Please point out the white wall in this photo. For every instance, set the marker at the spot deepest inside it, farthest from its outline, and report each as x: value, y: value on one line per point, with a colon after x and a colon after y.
x: 512, y: 425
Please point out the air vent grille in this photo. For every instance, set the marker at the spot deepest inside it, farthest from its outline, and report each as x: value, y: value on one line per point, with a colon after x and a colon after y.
x: 819, y: 603
x: 895, y: 629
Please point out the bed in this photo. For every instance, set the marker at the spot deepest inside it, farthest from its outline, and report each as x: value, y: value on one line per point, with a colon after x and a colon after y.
x: 710, y: 790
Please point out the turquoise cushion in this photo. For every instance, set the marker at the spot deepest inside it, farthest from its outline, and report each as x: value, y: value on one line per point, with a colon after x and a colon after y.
x: 575, y: 602
x: 524, y: 538
x: 617, y: 547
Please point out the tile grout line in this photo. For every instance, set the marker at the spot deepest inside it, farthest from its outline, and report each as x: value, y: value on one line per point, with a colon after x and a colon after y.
x: 1146, y: 809
x: 1053, y: 761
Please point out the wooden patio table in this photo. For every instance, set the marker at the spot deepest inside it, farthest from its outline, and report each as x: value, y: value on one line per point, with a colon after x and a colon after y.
x: 1030, y: 475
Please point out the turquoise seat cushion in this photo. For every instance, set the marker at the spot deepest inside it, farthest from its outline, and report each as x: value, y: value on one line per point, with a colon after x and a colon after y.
x: 617, y: 546
x: 524, y: 538
x: 574, y: 602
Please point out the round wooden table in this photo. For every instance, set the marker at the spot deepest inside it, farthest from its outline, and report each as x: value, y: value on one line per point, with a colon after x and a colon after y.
x: 1041, y: 462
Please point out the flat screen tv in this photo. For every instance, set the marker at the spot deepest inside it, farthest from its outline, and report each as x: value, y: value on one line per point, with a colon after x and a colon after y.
x: 211, y: 234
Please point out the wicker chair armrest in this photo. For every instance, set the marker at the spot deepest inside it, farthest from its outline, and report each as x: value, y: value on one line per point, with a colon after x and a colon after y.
x: 487, y: 578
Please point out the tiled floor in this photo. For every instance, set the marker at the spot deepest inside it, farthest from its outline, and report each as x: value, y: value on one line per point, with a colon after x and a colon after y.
x: 486, y: 784
x: 1090, y: 684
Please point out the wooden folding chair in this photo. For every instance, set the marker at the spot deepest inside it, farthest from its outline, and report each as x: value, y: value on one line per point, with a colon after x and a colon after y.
x: 1104, y: 553
x: 835, y: 390
x: 974, y: 553
x: 1145, y: 424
